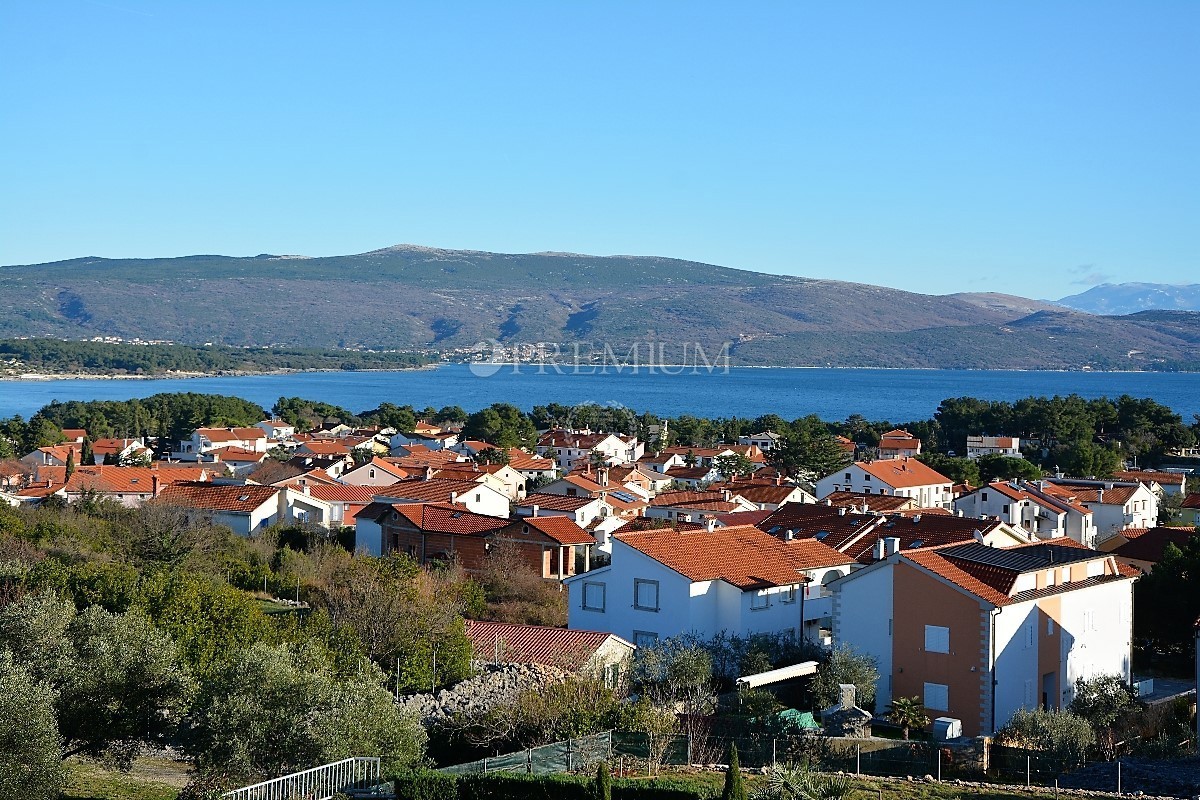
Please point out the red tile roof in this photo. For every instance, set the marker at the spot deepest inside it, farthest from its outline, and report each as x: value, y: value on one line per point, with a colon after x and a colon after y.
x: 218, y: 497
x: 1150, y: 544
x: 518, y: 459
x: 873, y: 502
x: 903, y: 472
x: 1192, y: 500
x: 561, y: 529
x: 342, y: 492
x: 742, y: 556
x: 435, y: 490
x: 445, y: 518
x: 555, y: 502
x: 232, y: 434
x: 536, y: 644
x: 1144, y: 475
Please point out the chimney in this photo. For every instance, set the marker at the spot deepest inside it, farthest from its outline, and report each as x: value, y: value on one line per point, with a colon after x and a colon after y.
x: 789, y: 535
x: 877, y: 550
x: 453, y: 498
x: 307, y: 489
x: 728, y: 495
x: 958, y: 513
x: 891, y: 545
x: 536, y: 509
x: 154, y: 485
x: 602, y: 473
x: 710, y: 524
x: 428, y: 472
x: 916, y: 519
x: 841, y: 510
x: 778, y: 479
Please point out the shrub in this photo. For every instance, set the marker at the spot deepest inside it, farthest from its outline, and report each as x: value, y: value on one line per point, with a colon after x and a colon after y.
x: 426, y: 784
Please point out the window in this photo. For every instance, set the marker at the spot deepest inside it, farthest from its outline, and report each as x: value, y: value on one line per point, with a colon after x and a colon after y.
x: 1029, y: 635
x: 937, y: 696
x: 789, y: 594
x: 593, y: 596
x: 867, y: 477
x: 759, y: 600
x: 983, y: 496
x: 645, y: 638
x: 937, y: 639
x: 372, y: 473
x: 847, y: 476
x: 645, y: 595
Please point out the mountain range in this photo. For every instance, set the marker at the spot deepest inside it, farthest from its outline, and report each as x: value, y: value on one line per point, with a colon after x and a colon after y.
x: 412, y: 297
x: 1130, y: 298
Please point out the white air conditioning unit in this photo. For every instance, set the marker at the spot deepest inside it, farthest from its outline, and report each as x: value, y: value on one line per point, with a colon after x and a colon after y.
x: 947, y: 728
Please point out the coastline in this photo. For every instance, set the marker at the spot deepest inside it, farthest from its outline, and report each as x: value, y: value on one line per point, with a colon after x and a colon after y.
x: 46, y: 377
x: 530, y: 367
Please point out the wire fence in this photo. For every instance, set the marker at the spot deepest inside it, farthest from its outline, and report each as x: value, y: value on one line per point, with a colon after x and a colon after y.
x: 633, y: 754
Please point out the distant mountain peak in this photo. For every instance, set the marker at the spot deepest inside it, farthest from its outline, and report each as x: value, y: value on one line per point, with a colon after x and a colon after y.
x: 1115, y: 299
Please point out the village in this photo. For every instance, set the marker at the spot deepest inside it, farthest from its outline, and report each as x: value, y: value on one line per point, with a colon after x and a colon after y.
x: 978, y: 601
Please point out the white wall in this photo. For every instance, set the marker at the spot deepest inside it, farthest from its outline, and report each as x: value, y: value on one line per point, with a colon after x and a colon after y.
x: 862, y: 619
x: 1016, y: 662
x: 1104, y: 649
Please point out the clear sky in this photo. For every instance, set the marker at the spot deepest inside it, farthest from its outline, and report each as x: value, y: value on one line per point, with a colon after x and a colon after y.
x: 1030, y: 147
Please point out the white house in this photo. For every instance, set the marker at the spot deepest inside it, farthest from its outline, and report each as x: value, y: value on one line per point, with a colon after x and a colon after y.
x: 979, y: 446
x: 206, y: 439
x: 475, y: 497
x: 1115, y: 505
x: 584, y: 510
x: 764, y: 441
x: 247, y: 508
x: 375, y: 472
x: 276, y: 429
x: 576, y: 447
x: 903, y: 477
x: 1029, y: 505
x: 978, y: 632
x: 665, y: 583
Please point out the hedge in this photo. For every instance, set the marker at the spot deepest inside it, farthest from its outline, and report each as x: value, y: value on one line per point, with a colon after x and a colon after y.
x: 431, y: 785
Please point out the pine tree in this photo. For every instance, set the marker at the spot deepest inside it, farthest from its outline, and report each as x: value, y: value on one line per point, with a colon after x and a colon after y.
x: 734, y: 788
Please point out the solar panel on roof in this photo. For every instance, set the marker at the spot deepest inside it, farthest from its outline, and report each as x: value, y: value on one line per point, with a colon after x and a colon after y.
x: 624, y: 496
x: 821, y: 535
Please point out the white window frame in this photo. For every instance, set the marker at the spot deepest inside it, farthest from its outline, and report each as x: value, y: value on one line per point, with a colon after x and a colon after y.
x: 936, y: 696
x: 603, y: 596
x: 645, y: 638
x: 638, y: 583
x: 789, y: 594
x: 760, y: 600
x: 937, y: 639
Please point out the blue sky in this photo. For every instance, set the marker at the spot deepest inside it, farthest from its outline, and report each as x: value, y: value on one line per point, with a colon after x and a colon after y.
x: 1034, y: 148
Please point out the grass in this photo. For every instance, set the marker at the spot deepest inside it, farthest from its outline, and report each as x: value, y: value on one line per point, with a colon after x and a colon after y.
x: 150, y: 779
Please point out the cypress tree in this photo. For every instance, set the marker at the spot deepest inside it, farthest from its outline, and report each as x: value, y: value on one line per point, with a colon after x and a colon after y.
x: 734, y: 788
x: 603, y: 787
x: 85, y: 455
x: 70, y: 463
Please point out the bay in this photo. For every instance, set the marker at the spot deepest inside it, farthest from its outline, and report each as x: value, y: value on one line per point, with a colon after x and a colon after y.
x: 832, y: 394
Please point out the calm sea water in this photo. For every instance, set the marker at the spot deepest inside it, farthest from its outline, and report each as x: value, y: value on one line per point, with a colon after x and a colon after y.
x: 833, y: 394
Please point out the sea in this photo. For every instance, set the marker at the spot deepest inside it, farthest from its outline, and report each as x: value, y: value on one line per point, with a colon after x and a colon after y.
x: 832, y: 394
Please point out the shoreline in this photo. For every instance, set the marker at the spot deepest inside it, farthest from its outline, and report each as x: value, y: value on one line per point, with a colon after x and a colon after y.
x: 536, y: 368
x: 47, y: 377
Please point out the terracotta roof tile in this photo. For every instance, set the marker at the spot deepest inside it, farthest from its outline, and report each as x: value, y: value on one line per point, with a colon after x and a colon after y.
x: 555, y: 502
x: 903, y: 472
x: 218, y: 497
x: 561, y: 529
x: 535, y: 644
x: 445, y: 518
x: 742, y: 555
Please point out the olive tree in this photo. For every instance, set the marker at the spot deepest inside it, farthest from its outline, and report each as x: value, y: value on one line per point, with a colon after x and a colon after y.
x: 30, y: 746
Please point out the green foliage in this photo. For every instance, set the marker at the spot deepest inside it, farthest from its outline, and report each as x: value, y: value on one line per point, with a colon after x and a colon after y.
x: 174, y: 416
x: 56, y: 356
x: 734, y: 465
x: 908, y: 713
x: 845, y: 665
x: 958, y: 470
x: 603, y: 787
x: 995, y: 466
x: 118, y: 679
x: 277, y: 709
x: 425, y: 784
x: 1168, y: 598
x: 786, y: 782
x: 30, y: 745
x: 208, y: 619
x: 811, y: 455
x: 734, y: 788
x: 1102, y: 701
x: 501, y: 424
x: 1063, y: 736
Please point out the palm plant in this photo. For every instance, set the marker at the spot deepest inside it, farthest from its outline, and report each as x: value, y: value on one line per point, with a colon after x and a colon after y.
x: 908, y: 713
